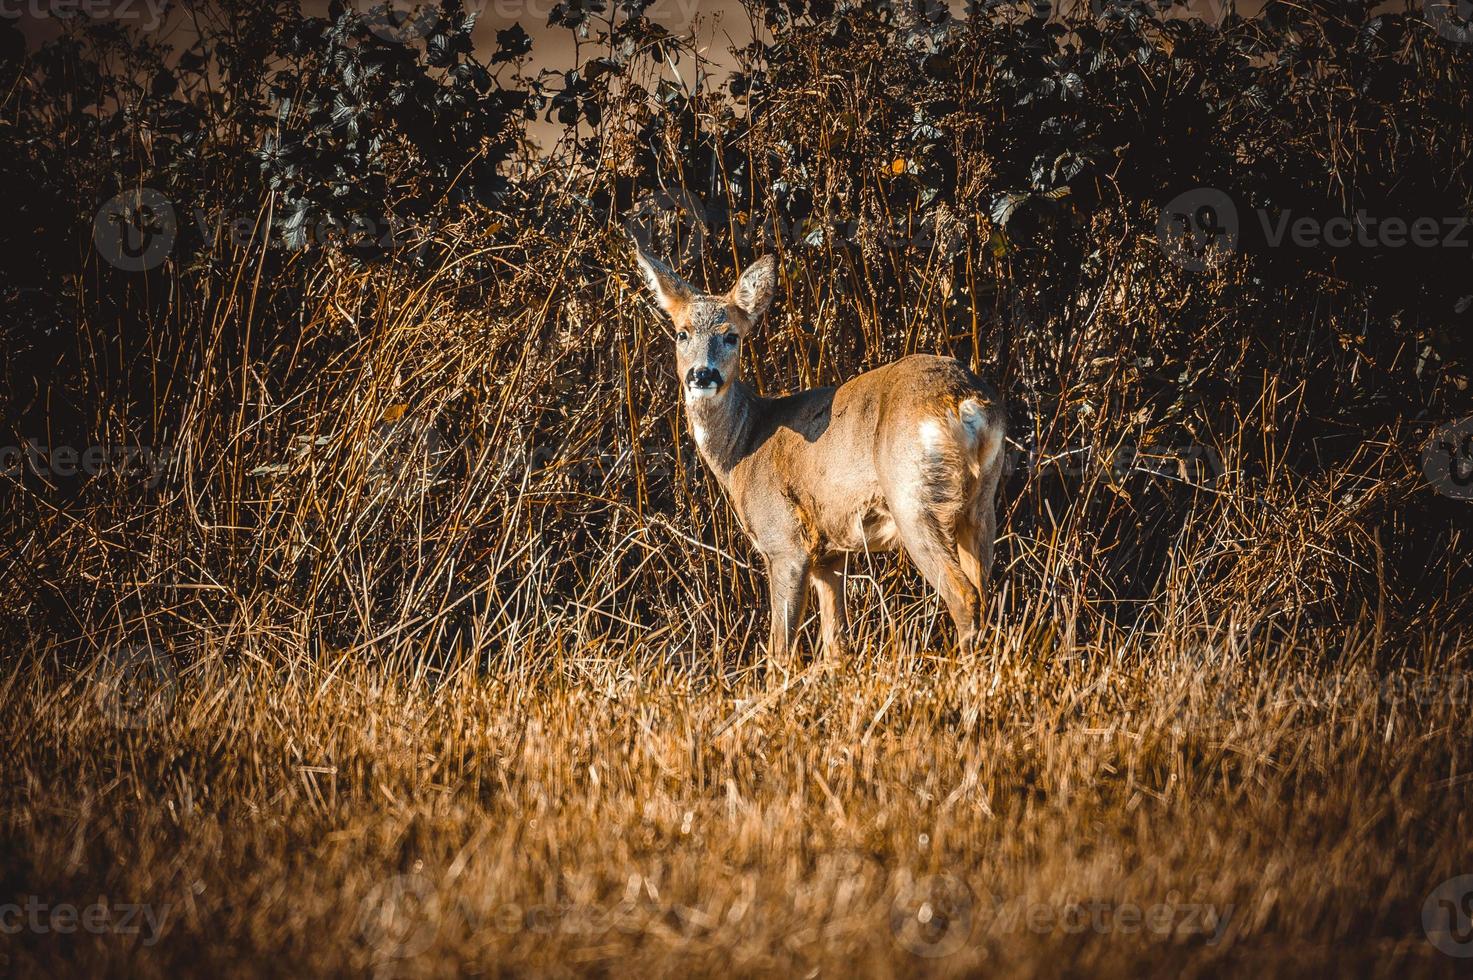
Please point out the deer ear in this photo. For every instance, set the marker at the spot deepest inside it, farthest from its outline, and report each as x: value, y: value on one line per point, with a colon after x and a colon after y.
x: 671, y: 291
x: 753, y: 292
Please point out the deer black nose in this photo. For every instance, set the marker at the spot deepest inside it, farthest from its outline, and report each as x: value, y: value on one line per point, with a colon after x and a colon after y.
x: 703, y: 377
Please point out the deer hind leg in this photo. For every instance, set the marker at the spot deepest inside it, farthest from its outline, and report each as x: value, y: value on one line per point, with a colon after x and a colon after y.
x: 977, y: 533
x: 931, y: 542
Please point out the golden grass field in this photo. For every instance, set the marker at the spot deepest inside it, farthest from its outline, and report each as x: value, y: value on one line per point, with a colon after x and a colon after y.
x: 905, y: 813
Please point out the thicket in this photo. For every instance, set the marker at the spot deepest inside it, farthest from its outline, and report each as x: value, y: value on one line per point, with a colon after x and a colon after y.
x: 400, y: 389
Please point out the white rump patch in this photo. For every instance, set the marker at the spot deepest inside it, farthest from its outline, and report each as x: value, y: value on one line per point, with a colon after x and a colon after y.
x: 965, y: 442
x: 973, y: 416
x: 932, y: 438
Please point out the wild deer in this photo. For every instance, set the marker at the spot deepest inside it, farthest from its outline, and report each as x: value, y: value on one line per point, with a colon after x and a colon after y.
x: 907, y: 455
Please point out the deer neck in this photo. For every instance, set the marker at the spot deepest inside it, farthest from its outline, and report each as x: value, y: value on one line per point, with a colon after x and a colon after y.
x: 722, y: 426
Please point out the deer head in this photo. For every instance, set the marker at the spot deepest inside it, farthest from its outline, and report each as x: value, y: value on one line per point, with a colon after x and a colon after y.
x: 709, y: 329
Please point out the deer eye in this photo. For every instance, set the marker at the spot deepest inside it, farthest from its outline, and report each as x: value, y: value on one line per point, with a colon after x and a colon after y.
x: 682, y: 336
x: 730, y: 339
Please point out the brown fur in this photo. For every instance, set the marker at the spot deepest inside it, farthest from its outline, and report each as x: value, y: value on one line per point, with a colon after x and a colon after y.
x: 908, y: 455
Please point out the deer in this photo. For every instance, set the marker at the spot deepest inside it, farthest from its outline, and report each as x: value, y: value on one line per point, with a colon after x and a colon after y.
x: 905, y: 456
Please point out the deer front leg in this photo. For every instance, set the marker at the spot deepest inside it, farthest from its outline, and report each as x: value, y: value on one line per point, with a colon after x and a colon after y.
x: 828, y: 582
x: 787, y: 577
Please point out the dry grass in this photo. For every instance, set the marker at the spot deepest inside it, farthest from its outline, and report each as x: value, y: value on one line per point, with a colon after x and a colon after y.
x: 544, y: 746
x: 592, y: 815
x: 488, y: 702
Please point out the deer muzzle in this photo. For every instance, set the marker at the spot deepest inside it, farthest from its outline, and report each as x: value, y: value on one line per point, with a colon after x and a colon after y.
x: 703, y: 379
